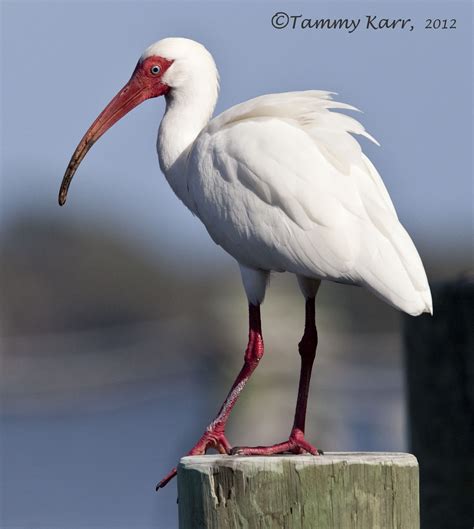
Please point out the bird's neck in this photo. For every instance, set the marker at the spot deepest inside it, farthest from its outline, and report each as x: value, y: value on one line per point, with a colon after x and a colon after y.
x: 186, y: 115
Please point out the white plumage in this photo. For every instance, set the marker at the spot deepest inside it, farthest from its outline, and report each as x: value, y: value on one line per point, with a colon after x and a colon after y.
x: 281, y: 184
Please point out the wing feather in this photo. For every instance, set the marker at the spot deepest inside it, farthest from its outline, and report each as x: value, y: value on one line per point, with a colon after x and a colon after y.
x: 281, y: 184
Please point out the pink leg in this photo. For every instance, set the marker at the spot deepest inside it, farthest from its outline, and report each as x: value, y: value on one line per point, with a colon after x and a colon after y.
x: 214, y: 436
x: 296, y: 443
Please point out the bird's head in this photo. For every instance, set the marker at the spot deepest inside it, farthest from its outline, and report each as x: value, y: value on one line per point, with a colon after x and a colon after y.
x: 174, y: 67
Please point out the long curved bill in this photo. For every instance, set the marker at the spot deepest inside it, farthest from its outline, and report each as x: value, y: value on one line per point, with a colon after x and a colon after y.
x: 131, y: 95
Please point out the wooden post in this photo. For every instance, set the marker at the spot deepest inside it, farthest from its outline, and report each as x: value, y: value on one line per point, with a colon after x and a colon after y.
x: 333, y: 491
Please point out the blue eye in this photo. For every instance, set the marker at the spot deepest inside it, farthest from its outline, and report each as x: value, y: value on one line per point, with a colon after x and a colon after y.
x: 155, y: 69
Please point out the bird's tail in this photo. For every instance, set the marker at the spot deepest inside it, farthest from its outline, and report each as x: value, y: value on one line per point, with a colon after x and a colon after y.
x: 395, y: 272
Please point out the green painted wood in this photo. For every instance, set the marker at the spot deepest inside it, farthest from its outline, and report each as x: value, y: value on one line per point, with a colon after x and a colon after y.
x: 333, y: 491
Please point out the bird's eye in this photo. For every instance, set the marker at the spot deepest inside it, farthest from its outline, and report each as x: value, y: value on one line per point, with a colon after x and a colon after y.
x: 155, y: 69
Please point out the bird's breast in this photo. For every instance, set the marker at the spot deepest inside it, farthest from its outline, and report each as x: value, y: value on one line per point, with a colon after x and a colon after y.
x: 235, y: 218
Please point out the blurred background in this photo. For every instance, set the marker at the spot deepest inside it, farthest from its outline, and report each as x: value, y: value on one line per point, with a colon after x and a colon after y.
x: 122, y: 324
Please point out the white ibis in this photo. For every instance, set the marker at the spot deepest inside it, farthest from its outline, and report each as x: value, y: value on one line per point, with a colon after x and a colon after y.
x: 282, y: 185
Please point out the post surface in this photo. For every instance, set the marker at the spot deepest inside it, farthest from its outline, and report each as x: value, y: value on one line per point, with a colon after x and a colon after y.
x: 333, y: 491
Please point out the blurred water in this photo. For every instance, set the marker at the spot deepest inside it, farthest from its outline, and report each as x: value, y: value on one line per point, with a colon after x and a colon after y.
x: 95, y: 466
x: 99, y: 403
x: 98, y: 469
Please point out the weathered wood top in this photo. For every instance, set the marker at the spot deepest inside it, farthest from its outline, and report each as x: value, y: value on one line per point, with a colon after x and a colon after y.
x: 372, y: 490
x: 201, y: 463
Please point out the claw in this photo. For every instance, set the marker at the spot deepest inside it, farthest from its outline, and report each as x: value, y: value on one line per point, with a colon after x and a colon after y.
x: 296, y: 444
x: 210, y: 439
x: 166, y: 480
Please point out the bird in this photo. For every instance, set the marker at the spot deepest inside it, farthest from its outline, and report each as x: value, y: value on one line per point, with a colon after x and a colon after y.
x: 281, y: 183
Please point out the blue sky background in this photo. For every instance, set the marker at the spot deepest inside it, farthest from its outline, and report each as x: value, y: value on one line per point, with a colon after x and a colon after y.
x: 63, y: 61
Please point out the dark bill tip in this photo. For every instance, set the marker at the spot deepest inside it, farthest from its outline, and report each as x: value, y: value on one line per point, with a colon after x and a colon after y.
x: 79, y: 154
x: 62, y: 199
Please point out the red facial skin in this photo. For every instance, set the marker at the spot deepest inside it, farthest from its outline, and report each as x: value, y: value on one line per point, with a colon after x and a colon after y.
x: 142, y: 85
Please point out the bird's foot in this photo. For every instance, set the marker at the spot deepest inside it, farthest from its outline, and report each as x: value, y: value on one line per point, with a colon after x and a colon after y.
x: 296, y: 444
x: 212, y: 438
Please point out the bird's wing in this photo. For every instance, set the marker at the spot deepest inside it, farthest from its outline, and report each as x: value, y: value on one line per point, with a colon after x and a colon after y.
x: 282, y: 184
x: 310, y: 111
